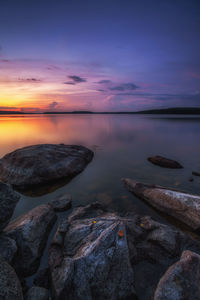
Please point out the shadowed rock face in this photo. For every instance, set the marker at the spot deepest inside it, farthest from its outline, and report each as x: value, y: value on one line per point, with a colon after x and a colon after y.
x: 164, y: 162
x: 43, y: 164
x: 30, y: 231
x: 96, y: 254
x: 181, y: 280
x: 37, y: 293
x: 10, y: 287
x: 184, y: 207
x: 8, y: 201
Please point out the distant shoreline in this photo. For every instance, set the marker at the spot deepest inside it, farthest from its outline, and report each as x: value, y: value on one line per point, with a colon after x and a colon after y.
x: 171, y: 111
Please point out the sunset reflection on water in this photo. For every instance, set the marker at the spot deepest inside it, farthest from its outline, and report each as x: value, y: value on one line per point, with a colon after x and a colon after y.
x: 121, y: 144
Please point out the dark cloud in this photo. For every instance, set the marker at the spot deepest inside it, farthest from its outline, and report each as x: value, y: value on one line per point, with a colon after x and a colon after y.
x: 76, y: 79
x: 52, y: 105
x: 104, y: 81
x: 124, y: 87
x: 29, y: 79
x: 69, y: 82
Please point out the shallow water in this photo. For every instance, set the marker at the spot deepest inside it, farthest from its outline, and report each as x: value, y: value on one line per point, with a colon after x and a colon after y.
x: 121, y: 144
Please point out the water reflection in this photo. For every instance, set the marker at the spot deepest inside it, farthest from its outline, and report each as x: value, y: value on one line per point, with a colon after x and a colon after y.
x: 121, y: 144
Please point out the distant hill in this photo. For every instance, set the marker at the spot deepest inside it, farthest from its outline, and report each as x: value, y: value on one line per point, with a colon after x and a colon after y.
x: 173, y: 110
x: 162, y: 111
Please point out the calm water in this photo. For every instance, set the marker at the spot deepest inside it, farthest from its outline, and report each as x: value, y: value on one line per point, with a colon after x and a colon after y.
x: 121, y: 144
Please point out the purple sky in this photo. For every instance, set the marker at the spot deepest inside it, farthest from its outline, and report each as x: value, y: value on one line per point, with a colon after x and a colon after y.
x: 99, y: 55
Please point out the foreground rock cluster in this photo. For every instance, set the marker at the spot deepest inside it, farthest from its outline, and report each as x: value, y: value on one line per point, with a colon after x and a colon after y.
x: 96, y: 253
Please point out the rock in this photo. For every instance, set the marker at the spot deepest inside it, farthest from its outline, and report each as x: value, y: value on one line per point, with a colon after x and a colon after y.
x: 42, y: 278
x: 8, y: 201
x: 184, y: 207
x: 43, y: 164
x: 30, y: 231
x: 181, y: 280
x: 10, y: 288
x: 8, y: 248
x: 195, y: 173
x: 97, y: 254
x: 164, y: 162
x: 37, y: 293
x: 62, y: 203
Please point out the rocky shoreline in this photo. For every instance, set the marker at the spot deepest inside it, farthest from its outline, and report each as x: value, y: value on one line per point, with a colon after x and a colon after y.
x: 97, y: 253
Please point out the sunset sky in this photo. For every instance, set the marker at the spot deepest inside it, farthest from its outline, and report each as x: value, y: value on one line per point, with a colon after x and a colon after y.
x: 107, y: 55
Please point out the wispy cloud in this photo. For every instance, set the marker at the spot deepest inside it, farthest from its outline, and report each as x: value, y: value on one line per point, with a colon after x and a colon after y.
x: 106, y: 81
x: 124, y: 87
x: 52, y: 105
x: 29, y: 79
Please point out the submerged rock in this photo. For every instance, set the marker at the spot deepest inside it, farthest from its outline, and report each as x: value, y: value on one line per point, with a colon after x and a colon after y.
x: 30, y: 231
x: 195, y: 173
x: 43, y: 164
x: 10, y: 287
x: 62, y: 203
x: 37, y: 293
x: 98, y: 254
x: 181, y: 280
x: 8, y: 201
x: 184, y: 207
x: 165, y: 162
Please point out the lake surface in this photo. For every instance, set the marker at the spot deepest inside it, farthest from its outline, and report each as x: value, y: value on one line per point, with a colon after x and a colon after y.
x: 121, y: 144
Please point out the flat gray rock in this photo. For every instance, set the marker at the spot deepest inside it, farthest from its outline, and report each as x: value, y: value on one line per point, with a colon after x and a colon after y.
x: 165, y: 162
x: 10, y: 287
x: 43, y: 164
x: 97, y: 254
x: 30, y: 231
x: 8, y: 201
x: 181, y: 280
x: 184, y: 207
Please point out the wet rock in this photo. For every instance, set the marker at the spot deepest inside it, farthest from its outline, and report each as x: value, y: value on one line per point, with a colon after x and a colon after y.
x: 37, y: 293
x: 30, y: 231
x: 10, y: 288
x: 62, y: 203
x: 181, y: 280
x: 195, y: 173
x: 8, y: 248
x: 97, y: 254
x: 184, y: 207
x: 42, y: 278
x: 43, y: 164
x: 164, y: 162
x: 8, y: 201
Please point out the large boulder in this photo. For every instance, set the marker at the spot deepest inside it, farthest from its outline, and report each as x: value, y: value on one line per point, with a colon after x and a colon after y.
x: 181, y: 280
x: 184, y: 207
x: 97, y: 254
x: 30, y: 231
x: 10, y: 287
x: 164, y: 162
x: 8, y: 201
x: 43, y: 164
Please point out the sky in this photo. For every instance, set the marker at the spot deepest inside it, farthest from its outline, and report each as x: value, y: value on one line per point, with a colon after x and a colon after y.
x: 108, y: 55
